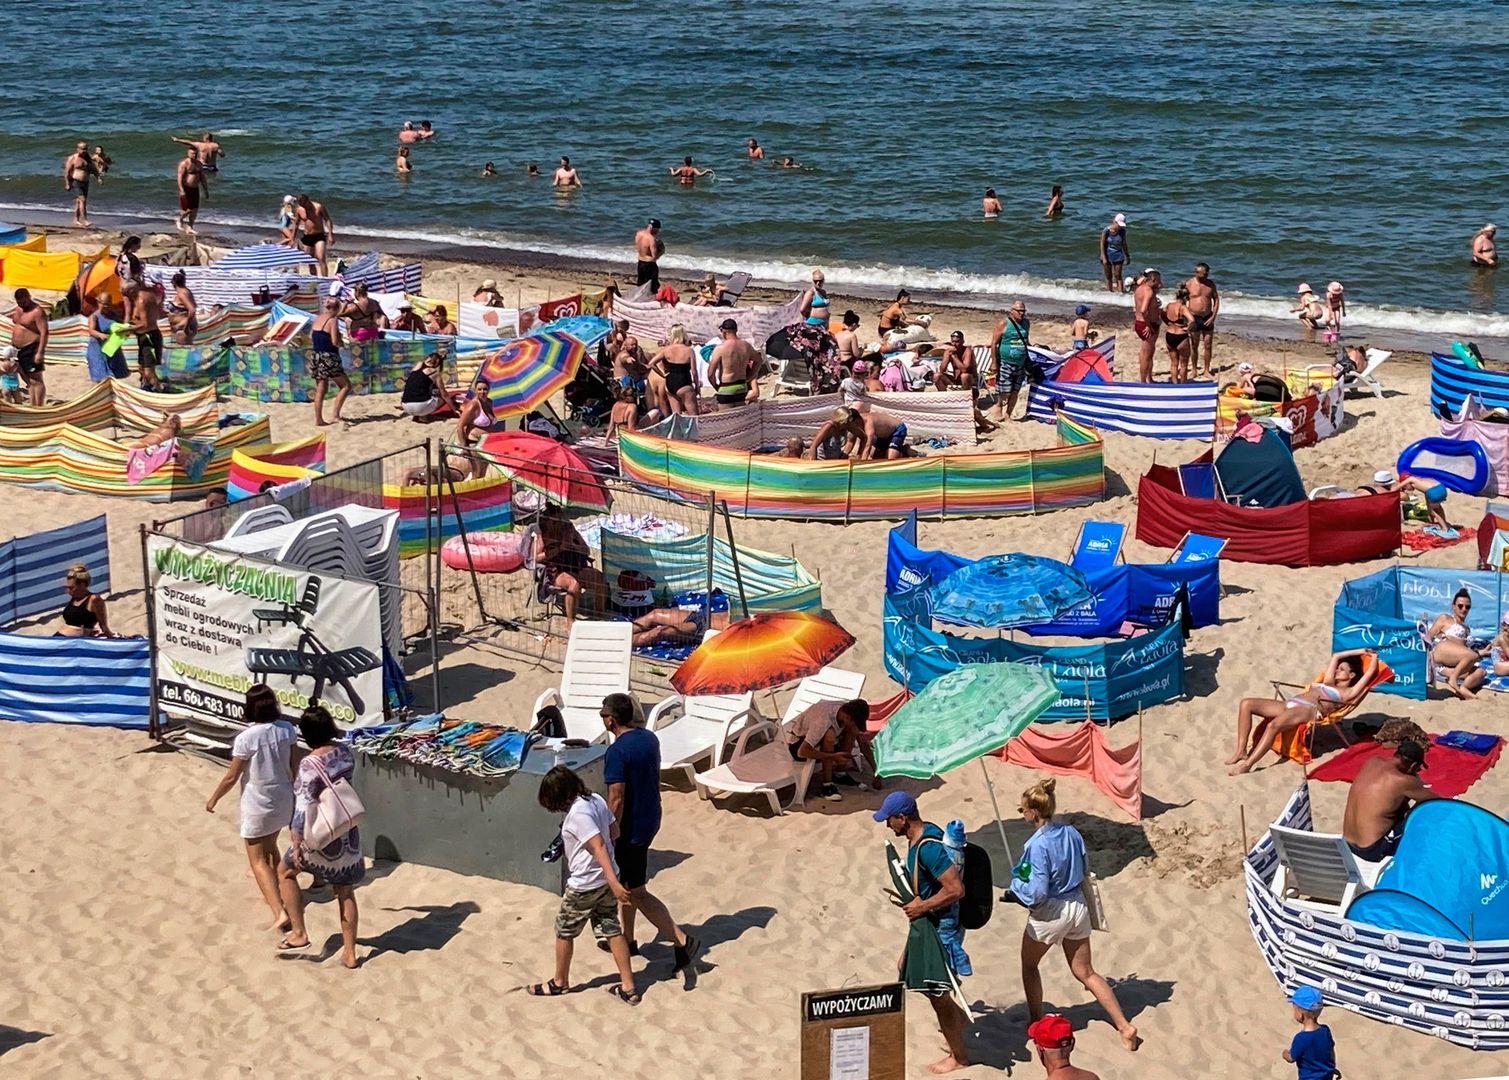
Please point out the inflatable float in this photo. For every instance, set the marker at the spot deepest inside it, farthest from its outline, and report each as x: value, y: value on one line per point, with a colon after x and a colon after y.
x: 1461, y: 465
x: 491, y: 552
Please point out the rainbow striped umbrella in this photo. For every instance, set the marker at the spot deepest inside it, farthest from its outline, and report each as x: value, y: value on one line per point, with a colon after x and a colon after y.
x: 526, y: 371
x: 768, y: 649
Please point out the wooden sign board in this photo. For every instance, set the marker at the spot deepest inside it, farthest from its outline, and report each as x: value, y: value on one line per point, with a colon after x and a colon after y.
x: 858, y: 1033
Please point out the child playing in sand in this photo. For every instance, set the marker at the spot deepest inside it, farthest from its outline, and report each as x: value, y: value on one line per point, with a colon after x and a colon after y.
x: 1312, y: 1051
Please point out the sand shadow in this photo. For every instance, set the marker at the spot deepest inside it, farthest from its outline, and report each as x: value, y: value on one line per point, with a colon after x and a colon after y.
x: 12, y: 1038
x: 428, y: 931
x: 718, y: 930
x: 1115, y: 485
x: 665, y: 860
x: 1111, y: 845
x: 1154, y: 807
x: 1200, y: 671
x: 998, y: 1037
x: 465, y: 682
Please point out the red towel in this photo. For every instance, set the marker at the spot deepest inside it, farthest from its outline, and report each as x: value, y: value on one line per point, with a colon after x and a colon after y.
x: 1448, y: 771
x: 1420, y: 540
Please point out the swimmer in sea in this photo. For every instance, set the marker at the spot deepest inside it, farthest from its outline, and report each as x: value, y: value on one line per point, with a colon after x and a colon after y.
x: 755, y: 151
x: 686, y: 173
x: 425, y: 130
x: 401, y: 162
x: 1483, y: 251
x: 190, y: 188
x: 407, y: 134
x: 532, y: 169
x: 1115, y: 252
x: 990, y: 204
x: 790, y: 163
x: 1055, y: 203
x: 565, y: 175
x: 489, y: 170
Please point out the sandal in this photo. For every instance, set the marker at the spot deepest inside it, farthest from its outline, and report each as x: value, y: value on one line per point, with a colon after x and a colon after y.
x: 624, y: 996
x: 287, y: 946
x: 545, y: 989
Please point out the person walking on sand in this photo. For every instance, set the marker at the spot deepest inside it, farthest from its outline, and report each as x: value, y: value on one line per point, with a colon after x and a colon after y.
x: 190, y: 188
x: 29, y: 332
x: 316, y: 230
x: 565, y: 175
x: 1048, y: 883
x: 1115, y: 251
x: 1483, y: 251
x: 1312, y: 1051
x: 1054, y: 1038
x: 78, y: 169
x: 593, y: 889
x: 262, y: 762
x: 631, y: 769
x: 1147, y: 316
x: 1204, y: 306
x: 648, y: 247
x: 340, y: 862
x: 325, y: 362
x: 939, y: 888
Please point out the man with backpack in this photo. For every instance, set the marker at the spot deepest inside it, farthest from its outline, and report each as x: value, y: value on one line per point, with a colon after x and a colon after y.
x: 938, y: 885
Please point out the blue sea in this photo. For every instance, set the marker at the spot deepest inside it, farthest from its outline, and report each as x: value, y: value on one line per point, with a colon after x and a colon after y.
x: 1362, y: 142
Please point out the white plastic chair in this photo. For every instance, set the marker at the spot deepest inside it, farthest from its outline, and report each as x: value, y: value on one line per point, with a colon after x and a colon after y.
x: 762, y: 769
x: 597, y: 664
x: 1321, y: 868
x: 693, y: 729
x: 1367, y: 377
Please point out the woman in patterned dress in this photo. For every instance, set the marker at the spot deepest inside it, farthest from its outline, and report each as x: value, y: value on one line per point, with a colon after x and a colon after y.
x: 340, y: 862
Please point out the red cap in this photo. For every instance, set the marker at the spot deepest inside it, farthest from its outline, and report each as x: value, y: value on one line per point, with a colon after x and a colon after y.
x: 1052, y: 1032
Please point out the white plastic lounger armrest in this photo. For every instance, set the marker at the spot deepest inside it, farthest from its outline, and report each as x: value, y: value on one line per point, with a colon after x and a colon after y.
x: 549, y: 697
x: 666, y: 711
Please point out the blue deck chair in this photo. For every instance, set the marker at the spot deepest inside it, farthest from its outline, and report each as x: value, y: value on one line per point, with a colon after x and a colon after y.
x: 1098, y: 545
x: 1197, y: 547
x: 1199, y: 481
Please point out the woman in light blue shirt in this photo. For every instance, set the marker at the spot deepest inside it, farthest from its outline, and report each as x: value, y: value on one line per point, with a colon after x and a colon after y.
x: 1047, y: 882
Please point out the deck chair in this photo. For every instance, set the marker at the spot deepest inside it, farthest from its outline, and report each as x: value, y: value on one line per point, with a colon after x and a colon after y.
x: 1199, y: 480
x: 1197, y: 547
x: 733, y: 288
x: 1368, y: 376
x: 829, y: 684
x: 1318, y: 870
x: 597, y: 664
x: 794, y: 376
x: 1296, y: 745
x: 764, y: 769
x: 694, y: 729
x: 1098, y: 545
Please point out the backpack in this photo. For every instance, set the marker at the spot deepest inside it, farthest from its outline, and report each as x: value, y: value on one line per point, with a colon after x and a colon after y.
x: 978, y: 901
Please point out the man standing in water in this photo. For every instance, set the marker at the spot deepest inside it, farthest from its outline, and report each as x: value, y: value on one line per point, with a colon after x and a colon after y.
x: 565, y: 175
x: 78, y: 170
x: 1204, y: 306
x: 190, y: 179
x: 1147, y: 314
x: 1114, y: 253
x: 29, y: 339
x: 1483, y: 251
x: 210, y: 154
x: 686, y: 173
x: 648, y: 247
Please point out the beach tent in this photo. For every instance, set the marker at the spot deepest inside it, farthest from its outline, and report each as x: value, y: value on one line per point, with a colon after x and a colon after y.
x: 1449, y: 878
x: 1086, y: 365
x: 1260, y: 473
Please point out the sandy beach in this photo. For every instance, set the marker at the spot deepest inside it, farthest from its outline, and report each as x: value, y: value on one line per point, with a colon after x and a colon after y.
x: 134, y: 934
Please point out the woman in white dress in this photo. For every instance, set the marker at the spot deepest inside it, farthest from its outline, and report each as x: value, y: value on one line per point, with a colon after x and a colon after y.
x: 262, y: 760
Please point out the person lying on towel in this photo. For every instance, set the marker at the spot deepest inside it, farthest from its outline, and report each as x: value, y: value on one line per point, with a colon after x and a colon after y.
x: 1342, y: 685
x: 167, y: 429
x: 867, y: 433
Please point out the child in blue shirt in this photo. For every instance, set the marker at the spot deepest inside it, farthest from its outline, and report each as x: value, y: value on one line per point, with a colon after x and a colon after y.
x: 1313, y: 1051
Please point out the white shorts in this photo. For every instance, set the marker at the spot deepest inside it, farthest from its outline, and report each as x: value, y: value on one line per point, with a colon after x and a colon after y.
x: 1055, y: 921
x: 421, y: 408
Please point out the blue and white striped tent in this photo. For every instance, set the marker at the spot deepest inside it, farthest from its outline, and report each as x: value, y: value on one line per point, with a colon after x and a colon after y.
x: 263, y: 257
x: 103, y: 682
x: 1153, y: 410
x: 32, y: 567
x: 1451, y: 381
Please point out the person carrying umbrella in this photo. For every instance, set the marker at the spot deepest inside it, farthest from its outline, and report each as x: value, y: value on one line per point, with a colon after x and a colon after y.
x: 934, y: 953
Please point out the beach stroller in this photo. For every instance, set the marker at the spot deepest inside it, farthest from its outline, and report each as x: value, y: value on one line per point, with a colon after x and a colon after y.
x: 589, y: 396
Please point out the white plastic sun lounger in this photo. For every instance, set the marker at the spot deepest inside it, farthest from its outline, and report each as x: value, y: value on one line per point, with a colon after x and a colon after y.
x: 692, y: 730
x: 1320, y: 868
x: 597, y: 664
x: 756, y: 768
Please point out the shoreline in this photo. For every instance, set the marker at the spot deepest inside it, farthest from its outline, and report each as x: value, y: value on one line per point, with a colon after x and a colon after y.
x: 1109, y: 311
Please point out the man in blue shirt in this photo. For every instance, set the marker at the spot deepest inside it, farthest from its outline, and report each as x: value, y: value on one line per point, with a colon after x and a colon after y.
x: 939, y: 888
x: 631, y: 770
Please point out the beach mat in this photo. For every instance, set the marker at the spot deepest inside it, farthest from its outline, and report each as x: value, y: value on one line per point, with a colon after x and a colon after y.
x: 1448, y: 771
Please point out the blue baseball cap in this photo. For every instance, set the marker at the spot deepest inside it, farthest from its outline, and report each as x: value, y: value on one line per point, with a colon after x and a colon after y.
x: 1082, y: 309
x: 896, y: 804
x: 1306, y: 997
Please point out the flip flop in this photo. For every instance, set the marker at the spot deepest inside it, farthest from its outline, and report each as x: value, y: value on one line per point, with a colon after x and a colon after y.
x: 545, y: 989
x: 287, y: 946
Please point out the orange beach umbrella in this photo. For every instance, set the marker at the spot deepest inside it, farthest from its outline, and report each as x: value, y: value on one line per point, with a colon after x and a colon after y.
x: 764, y: 650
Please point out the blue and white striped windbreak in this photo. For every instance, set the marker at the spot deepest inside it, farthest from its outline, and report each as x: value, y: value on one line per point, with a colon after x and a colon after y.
x: 1152, y: 410
x: 70, y: 680
x: 263, y: 257
x: 32, y: 567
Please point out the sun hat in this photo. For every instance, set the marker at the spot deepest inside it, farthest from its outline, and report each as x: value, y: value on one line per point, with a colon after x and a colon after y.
x: 1151, y: 270
x: 1307, y: 997
x: 1051, y: 1032
x: 860, y: 367
x: 897, y: 803
x: 1120, y: 219
x: 1082, y: 309
x: 1304, y: 287
x: 489, y: 283
x: 1334, y: 287
x: 289, y: 199
x: 1384, y: 476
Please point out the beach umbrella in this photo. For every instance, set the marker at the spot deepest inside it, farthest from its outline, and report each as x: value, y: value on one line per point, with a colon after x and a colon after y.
x: 263, y: 257
x: 524, y: 373
x: 553, y: 469
x: 972, y: 711
x: 1001, y: 591
x: 769, y: 649
x: 588, y: 329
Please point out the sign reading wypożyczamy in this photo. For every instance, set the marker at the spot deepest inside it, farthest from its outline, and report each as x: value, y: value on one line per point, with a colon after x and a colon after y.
x: 222, y: 623
x: 858, y: 1033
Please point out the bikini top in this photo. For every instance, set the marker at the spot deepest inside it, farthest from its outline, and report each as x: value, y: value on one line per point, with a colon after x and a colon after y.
x: 1454, y: 630
x: 819, y: 298
x: 77, y: 613
x: 1327, y: 691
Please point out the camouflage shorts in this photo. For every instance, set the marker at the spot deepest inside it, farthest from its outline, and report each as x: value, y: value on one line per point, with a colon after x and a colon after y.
x: 597, y: 905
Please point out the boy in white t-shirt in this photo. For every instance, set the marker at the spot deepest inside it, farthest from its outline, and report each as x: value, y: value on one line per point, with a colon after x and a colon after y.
x: 593, y: 891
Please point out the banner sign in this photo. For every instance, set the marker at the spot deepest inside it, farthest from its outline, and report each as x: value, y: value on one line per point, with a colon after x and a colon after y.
x: 222, y: 623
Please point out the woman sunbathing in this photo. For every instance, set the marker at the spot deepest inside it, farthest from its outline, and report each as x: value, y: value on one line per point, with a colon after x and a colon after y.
x: 167, y: 429
x: 1450, y: 650
x: 1340, y: 686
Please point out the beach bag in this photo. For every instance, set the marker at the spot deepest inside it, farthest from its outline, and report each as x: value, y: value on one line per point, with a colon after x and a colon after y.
x: 1094, y: 902
x: 336, y: 812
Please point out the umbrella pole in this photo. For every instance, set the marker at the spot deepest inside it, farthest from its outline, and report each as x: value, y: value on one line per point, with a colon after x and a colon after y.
x: 996, y: 807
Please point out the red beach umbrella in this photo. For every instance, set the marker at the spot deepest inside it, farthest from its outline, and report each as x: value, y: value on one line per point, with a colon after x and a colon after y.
x: 764, y: 650
x: 553, y: 469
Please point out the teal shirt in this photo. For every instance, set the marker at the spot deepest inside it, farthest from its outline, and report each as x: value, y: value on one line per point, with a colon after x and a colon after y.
x: 1012, y: 348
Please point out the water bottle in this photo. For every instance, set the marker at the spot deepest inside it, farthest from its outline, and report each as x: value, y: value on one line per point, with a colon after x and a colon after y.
x: 953, y: 841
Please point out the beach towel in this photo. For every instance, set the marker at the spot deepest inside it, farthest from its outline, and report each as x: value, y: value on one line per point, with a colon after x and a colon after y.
x: 1430, y: 538
x: 1448, y: 771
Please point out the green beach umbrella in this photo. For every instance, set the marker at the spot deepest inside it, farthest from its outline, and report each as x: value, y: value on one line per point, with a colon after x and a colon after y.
x: 973, y: 710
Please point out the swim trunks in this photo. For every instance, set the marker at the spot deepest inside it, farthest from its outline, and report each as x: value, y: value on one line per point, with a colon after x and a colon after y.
x: 310, y: 239
x: 898, y: 439
x: 731, y: 393
x: 1379, y: 849
x: 1435, y: 493
x: 636, y: 385
x: 1080, y: 343
x: 1142, y: 330
x: 189, y: 199
x: 27, y: 359
x: 1202, y: 324
x: 647, y: 271
x: 79, y: 188
x: 149, y: 349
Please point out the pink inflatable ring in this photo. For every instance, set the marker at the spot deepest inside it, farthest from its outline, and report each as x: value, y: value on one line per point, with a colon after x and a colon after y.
x: 492, y: 552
